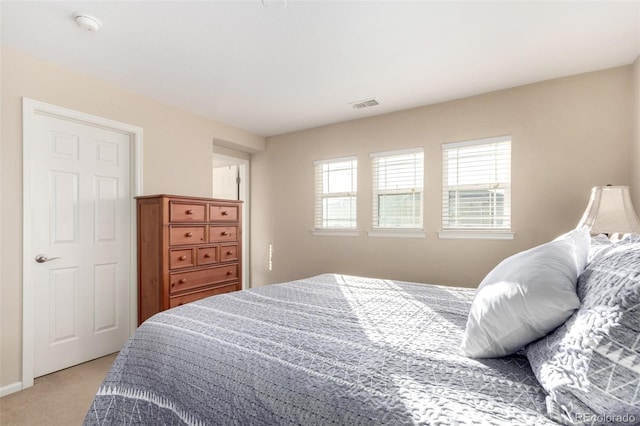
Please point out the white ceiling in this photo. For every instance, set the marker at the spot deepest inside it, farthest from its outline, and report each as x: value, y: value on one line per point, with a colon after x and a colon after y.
x: 272, y: 67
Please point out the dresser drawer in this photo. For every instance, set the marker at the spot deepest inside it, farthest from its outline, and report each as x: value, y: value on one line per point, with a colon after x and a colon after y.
x: 189, y: 280
x: 182, y: 258
x: 192, y: 297
x: 187, y: 212
x: 180, y: 235
x: 228, y: 253
x: 222, y: 233
x: 207, y: 255
x: 223, y: 213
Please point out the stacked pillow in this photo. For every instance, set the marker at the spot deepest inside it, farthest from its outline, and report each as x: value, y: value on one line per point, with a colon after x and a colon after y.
x: 590, y: 365
x: 526, y: 296
x: 582, y: 336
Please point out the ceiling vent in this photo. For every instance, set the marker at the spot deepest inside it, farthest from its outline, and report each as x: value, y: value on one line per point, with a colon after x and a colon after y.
x: 365, y: 104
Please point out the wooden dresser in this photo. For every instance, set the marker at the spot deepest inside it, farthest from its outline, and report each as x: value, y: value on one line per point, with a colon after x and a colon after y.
x: 188, y: 248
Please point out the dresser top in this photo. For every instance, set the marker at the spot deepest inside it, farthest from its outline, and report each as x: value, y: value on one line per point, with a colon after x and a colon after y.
x: 185, y: 197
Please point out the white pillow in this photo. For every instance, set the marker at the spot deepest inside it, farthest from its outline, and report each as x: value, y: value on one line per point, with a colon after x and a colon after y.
x: 526, y: 296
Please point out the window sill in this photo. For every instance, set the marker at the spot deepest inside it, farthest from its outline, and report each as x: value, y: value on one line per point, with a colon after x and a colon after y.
x: 476, y: 235
x: 397, y: 233
x: 335, y: 232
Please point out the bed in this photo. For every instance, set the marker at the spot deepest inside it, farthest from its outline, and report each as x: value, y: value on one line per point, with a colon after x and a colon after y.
x: 344, y: 350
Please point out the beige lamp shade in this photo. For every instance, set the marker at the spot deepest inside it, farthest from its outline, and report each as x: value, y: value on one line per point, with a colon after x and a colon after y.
x: 610, y: 211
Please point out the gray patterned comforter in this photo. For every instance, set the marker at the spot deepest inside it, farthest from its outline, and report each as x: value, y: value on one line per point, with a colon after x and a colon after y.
x: 332, y: 349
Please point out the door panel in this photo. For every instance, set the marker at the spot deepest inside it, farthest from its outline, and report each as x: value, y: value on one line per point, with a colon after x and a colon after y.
x: 63, y: 286
x: 105, y: 297
x: 105, y: 208
x: 64, y: 214
x: 225, y: 183
x: 81, y: 198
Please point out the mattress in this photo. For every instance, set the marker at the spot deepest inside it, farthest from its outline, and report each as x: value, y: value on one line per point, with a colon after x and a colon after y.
x: 331, y: 349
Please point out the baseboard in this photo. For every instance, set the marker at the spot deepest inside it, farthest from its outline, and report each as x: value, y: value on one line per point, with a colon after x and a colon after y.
x: 12, y: 388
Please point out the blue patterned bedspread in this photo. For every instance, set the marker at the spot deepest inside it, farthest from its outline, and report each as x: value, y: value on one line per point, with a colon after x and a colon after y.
x: 331, y: 349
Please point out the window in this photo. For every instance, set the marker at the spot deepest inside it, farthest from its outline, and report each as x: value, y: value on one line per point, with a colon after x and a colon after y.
x: 397, y: 189
x: 476, y: 193
x: 336, y: 190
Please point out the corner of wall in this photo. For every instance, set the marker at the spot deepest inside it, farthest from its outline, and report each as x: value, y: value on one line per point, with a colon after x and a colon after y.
x: 635, y: 163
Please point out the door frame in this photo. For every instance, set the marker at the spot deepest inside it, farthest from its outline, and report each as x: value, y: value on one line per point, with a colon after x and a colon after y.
x: 30, y: 109
x: 243, y: 195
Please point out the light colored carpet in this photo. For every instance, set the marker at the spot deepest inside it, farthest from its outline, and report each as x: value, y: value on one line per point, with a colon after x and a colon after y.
x: 58, y: 399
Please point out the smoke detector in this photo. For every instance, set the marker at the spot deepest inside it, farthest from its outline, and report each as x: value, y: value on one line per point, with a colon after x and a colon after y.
x: 274, y: 4
x: 365, y: 104
x: 87, y: 22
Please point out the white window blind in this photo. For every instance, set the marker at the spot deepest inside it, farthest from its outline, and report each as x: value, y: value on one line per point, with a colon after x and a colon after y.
x: 398, y: 178
x: 476, y: 193
x: 336, y: 193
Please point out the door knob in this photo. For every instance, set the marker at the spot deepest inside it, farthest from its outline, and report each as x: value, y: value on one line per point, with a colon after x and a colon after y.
x: 41, y: 258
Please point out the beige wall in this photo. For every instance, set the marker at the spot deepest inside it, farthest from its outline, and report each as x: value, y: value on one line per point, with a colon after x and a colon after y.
x: 568, y: 135
x: 635, y: 169
x: 177, y: 159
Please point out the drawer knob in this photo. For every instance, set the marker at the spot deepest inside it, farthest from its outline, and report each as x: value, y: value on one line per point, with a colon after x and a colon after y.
x: 225, y: 213
x: 229, y: 253
x: 229, y: 273
x: 182, y: 281
x: 182, y: 257
x: 189, y: 234
x: 225, y: 233
x: 189, y: 211
x: 207, y: 255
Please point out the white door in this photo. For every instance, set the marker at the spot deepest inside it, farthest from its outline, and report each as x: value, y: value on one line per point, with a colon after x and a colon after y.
x: 225, y: 182
x: 231, y: 182
x: 80, y: 198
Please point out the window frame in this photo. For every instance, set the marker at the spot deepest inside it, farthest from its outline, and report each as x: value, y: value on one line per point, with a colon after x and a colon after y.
x: 478, y: 232
x: 397, y: 231
x: 320, y: 195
